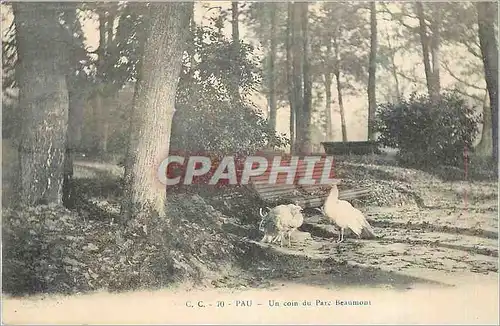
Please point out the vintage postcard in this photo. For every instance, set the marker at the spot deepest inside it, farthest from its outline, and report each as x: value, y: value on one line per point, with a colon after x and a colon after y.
x: 246, y: 162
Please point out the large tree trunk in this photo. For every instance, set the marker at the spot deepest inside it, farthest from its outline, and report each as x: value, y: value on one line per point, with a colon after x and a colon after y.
x: 433, y: 83
x: 153, y: 110
x: 487, y: 15
x: 43, y: 100
x: 273, y: 103
x: 372, y: 70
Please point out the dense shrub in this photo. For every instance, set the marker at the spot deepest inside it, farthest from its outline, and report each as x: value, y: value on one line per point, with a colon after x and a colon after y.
x: 428, y: 133
x: 210, y: 115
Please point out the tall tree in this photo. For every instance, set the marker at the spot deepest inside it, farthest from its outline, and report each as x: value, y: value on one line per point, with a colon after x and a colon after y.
x: 328, y: 81
x: 393, y: 68
x: 339, y: 87
x: 430, y: 47
x: 372, y: 71
x: 268, y: 23
x: 341, y: 50
x: 290, y: 73
x: 78, y: 90
x: 105, y: 63
x: 305, y: 141
x: 43, y: 100
x: 487, y: 15
x: 153, y: 109
x: 273, y: 49
x: 236, y: 44
x: 300, y: 82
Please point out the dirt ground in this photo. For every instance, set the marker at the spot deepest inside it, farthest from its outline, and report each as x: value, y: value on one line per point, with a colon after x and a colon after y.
x: 473, y: 301
x: 432, y: 262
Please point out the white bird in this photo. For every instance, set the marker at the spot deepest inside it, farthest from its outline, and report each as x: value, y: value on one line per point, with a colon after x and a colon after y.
x: 344, y: 215
x: 280, y: 221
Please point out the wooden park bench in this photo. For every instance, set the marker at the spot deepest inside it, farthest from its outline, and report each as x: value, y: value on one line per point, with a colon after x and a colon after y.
x: 351, y: 148
x: 307, y: 196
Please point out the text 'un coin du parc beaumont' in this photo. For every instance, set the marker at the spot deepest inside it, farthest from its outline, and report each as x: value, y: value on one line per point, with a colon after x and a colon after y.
x: 237, y: 170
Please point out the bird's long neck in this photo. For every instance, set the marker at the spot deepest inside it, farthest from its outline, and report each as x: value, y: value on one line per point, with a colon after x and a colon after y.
x: 333, y: 196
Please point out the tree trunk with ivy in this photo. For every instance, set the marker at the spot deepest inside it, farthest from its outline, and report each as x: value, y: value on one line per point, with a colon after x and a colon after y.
x: 153, y: 109
x: 43, y: 101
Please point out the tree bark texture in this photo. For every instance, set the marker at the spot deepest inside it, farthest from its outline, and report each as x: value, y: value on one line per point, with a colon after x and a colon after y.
x: 153, y: 109
x: 43, y: 100
x: 487, y: 15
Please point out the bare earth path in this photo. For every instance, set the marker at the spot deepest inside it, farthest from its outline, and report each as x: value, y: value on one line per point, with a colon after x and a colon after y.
x: 474, y: 300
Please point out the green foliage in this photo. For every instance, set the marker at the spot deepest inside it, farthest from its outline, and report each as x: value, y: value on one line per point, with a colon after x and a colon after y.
x: 209, y: 115
x: 129, y: 40
x: 428, y: 133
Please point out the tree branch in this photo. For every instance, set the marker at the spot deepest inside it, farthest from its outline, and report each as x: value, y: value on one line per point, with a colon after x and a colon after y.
x: 447, y: 68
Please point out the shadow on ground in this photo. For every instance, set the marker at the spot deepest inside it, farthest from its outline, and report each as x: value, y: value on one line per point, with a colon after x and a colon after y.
x: 267, y: 265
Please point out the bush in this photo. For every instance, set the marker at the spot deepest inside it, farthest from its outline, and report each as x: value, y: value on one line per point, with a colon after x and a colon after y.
x: 210, y: 115
x: 428, y: 133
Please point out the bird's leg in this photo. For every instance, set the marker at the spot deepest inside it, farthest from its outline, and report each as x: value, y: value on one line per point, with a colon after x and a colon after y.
x: 289, y: 238
x: 341, y: 236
